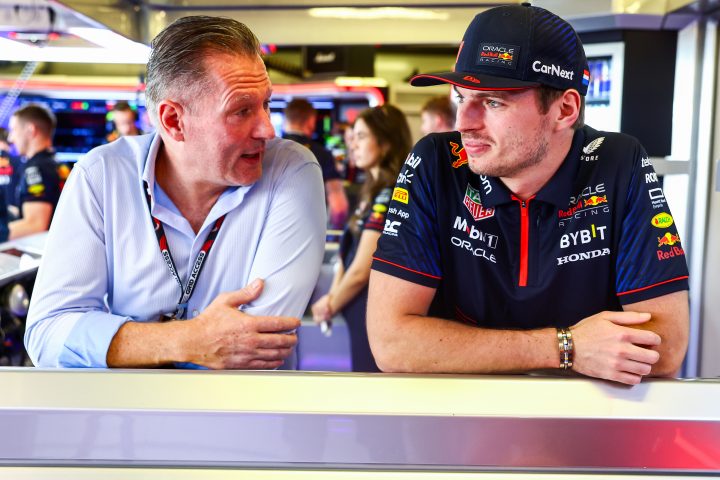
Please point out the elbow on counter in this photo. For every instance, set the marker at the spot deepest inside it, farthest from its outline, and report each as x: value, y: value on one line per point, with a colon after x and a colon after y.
x: 387, y: 350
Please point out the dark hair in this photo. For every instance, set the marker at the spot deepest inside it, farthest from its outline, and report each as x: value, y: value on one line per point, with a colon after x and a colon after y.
x: 441, y: 106
x: 390, y: 128
x: 176, y: 63
x: 299, y: 110
x: 38, y: 115
x: 123, y: 106
x: 3, y: 135
x: 547, y: 95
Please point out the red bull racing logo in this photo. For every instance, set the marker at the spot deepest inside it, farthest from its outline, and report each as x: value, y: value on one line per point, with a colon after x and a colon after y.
x: 474, y: 205
x: 668, y: 239
x: 460, y: 155
x: 595, y: 200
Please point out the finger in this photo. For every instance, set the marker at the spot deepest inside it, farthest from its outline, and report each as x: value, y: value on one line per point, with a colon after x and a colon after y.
x: 643, y: 355
x: 626, y: 318
x: 273, y: 354
x: 276, y: 340
x: 275, y: 324
x: 245, y: 295
x: 263, y: 364
x: 633, y: 367
x: 640, y: 337
x: 626, y: 378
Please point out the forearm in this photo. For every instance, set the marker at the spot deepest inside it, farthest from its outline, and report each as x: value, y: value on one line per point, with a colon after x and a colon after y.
x: 26, y: 226
x: 149, y: 344
x: 670, y: 320
x: 414, y: 343
x: 347, y: 288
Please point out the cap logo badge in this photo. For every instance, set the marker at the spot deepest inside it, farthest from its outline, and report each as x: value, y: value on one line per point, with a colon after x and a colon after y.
x: 470, y: 78
x: 498, y: 55
x: 554, y: 70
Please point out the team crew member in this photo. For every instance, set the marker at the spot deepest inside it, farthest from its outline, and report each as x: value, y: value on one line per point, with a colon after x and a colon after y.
x: 437, y: 115
x: 31, y: 131
x: 549, y: 243
x: 156, y: 235
x: 300, y: 119
x: 381, y: 142
x: 124, y: 119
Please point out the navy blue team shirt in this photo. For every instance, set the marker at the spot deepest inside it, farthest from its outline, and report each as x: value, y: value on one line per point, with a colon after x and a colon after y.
x: 597, y: 236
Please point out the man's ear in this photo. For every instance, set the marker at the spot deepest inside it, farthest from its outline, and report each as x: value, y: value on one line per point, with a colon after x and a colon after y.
x: 568, y: 109
x: 170, y: 119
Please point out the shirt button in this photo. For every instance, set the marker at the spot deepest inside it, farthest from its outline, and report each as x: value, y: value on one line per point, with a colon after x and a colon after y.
x: 195, y: 313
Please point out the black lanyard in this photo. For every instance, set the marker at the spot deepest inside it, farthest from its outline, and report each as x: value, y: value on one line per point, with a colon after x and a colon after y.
x: 186, y: 291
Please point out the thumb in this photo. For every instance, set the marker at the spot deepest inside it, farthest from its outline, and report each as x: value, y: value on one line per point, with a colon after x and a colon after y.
x: 246, y: 294
x: 627, y: 318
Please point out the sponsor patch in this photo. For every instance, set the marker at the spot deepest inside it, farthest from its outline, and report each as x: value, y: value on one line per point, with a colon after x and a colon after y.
x: 36, y: 189
x: 586, y: 77
x: 405, y: 177
x: 579, y: 257
x: 474, y: 205
x: 583, y: 236
x: 391, y: 227
x: 33, y: 176
x: 662, y: 220
x: 475, y: 251
x: 672, y: 253
x: 498, y: 55
x: 459, y: 153
x: 668, y: 239
x: 588, y: 149
x: 401, y: 195
x: 412, y: 160
x: 657, y: 197
x: 552, y: 69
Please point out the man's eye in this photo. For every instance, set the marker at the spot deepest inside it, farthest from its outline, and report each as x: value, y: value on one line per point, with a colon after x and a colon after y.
x: 493, y: 104
x: 459, y: 99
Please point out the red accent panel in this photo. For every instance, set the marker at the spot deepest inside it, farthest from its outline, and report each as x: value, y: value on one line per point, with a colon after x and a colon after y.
x: 652, y: 286
x: 408, y: 269
x: 524, y: 238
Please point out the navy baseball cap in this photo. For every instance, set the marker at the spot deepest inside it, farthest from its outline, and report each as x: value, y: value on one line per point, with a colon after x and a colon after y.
x: 513, y: 48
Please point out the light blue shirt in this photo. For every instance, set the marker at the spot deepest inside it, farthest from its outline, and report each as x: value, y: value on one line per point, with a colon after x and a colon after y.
x: 102, y: 265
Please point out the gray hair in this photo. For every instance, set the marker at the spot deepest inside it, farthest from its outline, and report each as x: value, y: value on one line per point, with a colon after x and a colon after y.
x: 176, y: 61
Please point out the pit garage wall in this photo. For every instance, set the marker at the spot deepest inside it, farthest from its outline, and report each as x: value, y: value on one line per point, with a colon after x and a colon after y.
x: 710, y: 307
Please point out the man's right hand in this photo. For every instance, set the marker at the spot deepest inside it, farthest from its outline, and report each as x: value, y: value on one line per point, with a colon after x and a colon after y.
x: 223, y: 337
x: 607, y: 346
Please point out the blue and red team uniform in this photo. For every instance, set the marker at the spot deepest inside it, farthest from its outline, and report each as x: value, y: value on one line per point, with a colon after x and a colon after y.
x: 597, y: 236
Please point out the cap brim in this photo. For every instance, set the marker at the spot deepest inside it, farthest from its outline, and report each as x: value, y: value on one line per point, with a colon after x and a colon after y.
x: 471, y: 81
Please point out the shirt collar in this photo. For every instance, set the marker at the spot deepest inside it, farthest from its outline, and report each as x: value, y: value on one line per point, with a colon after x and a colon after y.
x: 558, y: 190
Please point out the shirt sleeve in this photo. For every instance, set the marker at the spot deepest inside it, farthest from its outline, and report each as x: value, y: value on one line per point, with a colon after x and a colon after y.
x: 651, y: 258
x: 408, y: 247
x: 327, y: 163
x: 376, y: 219
x: 68, y: 324
x: 40, y: 183
x: 291, y: 247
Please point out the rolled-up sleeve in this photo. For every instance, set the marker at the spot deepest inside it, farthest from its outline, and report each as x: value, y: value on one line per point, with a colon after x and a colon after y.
x: 68, y: 323
x: 292, y: 244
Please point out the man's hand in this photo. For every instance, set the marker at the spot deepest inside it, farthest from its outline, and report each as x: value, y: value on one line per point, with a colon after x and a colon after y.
x: 607, y: 346
x: 321, y: 310
x: 224, y: 337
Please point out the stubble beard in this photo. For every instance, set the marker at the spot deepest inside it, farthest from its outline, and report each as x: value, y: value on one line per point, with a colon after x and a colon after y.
x: 527, y: 153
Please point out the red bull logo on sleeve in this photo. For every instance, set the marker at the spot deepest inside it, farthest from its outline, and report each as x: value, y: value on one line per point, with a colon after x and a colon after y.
x: 461, y: 157
x: 595, y: 200
x: 668, y: 239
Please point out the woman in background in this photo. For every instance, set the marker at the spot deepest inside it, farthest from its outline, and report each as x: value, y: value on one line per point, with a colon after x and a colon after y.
x: 381, y: 142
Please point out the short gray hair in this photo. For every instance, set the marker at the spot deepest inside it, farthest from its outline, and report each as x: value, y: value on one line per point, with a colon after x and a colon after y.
x: 176, y: 61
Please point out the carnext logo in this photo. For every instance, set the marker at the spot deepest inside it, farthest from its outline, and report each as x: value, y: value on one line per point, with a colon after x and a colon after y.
x: 538, y: 66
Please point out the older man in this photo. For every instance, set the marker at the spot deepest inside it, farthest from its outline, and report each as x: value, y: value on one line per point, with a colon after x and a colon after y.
x: 156, y: 235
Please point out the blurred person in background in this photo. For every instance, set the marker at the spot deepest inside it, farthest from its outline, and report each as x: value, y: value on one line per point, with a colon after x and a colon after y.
x: 437, y: 115
x: 6, y: 177
x: 380, y: 145
x: 125, y: 120
x: 300, y: 120
x: 31, y: 131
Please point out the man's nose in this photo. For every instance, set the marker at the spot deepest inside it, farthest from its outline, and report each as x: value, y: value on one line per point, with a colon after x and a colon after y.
x: 469, y: 118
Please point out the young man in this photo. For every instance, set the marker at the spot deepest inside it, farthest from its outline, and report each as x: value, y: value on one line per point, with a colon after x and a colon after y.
x: 437, y: 115
x: 300, y: 119
x: 31, y: 131
x: 125, y: 120
x: 156, y: 235
x: 548, y: 243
